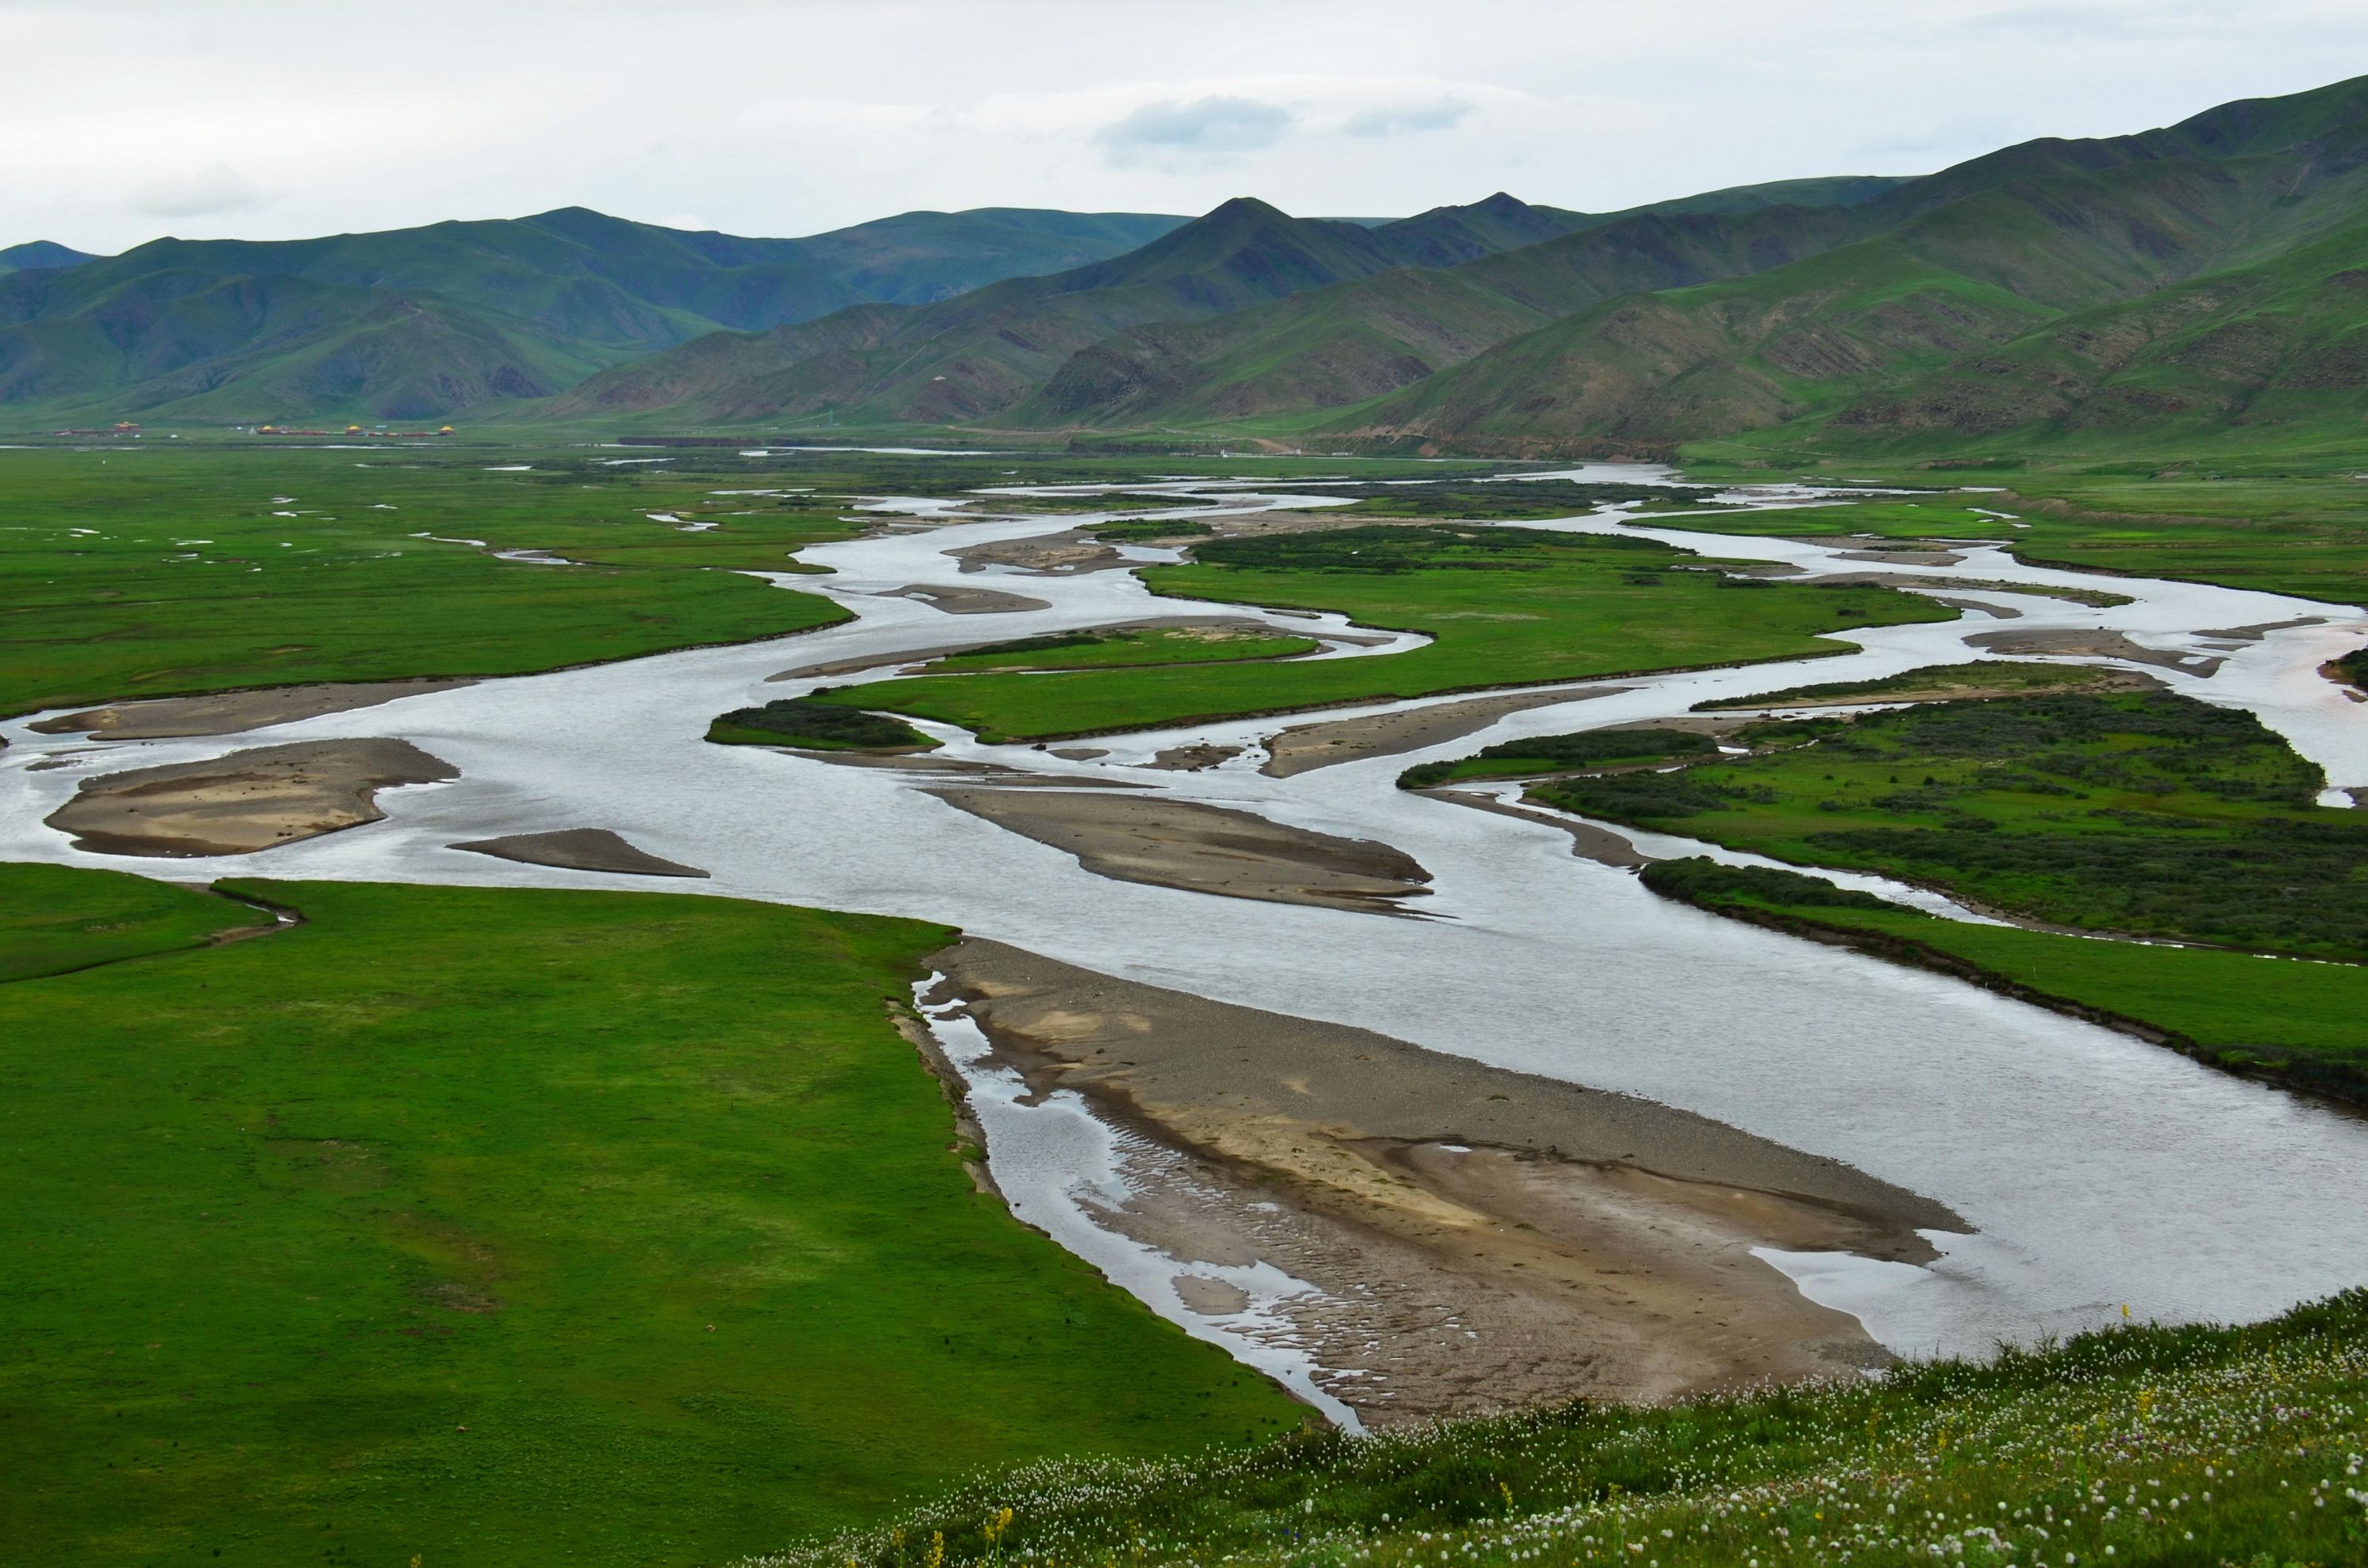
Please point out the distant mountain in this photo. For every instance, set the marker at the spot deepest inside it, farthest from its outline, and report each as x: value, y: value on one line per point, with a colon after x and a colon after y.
x: 916, y: 257
x: 994, y: 352
x: 1367, y: 337
x: 37, y: 256
x: 1963, y: 301
x: 414, y: 323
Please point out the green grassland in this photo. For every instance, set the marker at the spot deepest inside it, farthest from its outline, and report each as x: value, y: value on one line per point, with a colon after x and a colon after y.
x: 132, y: 572
x: 1137, y: 530
x: 1506, y: 608
x: 1527, y: 498
x: 2147, y: 813
x: 56, y: 919
x: 2288, y: 522
x: 484, y: 1227
x: 1550, y: 754
x: 2290, y: 1019
x: 1887, y: 518
x: 1103, y: 502
x: 1120, y: 650
x: 2146, y: 1446
x: 1981, y: 677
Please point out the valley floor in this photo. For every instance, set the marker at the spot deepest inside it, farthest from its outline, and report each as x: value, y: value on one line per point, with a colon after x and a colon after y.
x: 574, y: 1183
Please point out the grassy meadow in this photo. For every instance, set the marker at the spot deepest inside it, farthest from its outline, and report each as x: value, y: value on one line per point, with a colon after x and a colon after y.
x: 2147, y: 813
x: 161, y: 570
x: 1507, y: 609
x: 2280, y: 522
x: 1120, y: 650
x: 497, y: 1226
x: 2142, y: 1447
x: 2292, y: 1018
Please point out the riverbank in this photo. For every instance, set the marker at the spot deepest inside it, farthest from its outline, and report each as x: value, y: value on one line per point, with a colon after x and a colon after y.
x: 1482, y: 1238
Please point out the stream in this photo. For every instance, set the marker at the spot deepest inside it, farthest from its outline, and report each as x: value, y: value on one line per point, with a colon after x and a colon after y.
x: 2098, y: 1170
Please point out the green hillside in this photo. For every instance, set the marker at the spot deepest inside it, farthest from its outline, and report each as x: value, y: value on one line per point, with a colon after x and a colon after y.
x: 36, y: 255
x: 2142, y: 1447
x: 1244, y: 313
x: 2273, y: 350
x: 1964, y: 261
x: 416, y: 324
x: 978, y: 356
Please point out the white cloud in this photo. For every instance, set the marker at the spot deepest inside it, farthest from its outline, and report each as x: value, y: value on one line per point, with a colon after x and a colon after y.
x: 1215, y: 125
x: 789, y: 119
x: 195, y: 193
x: 1401, y: 119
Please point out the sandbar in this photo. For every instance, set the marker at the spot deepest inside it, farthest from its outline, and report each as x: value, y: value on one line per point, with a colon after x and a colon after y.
x: 1588, y: 841
x: 1050, y: 555
x: 967, y: 601
x: 246, y: 802
x: 230, y: 713
x: 1302, y: 748
x: 1482, y: 1238
x: 2078, y: 642
x: 1200, y: 848
x: 579, y: 849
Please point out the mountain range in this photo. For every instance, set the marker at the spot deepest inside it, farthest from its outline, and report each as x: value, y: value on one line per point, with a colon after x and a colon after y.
x: 417, y: 323
x: 2207, y: 275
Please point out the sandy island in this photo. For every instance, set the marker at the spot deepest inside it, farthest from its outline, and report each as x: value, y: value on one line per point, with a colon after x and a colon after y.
x: 1483, y: 1238
x: 2081, y: 642
x: 1588, y: 841
x: 1302, y: 748
x: 230, y: 713
x: 914, y: 658
x: 1049, y: 556
x: 967, y: 601
x: 579, y: 849
x: 1182, y: 844
x: 246, y: 802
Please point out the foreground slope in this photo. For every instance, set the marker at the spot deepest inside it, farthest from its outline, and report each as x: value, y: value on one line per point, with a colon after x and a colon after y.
x: 2134, y: 1447
x: 576, y: 1255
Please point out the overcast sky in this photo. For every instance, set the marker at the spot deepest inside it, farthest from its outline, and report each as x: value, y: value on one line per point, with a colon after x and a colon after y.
x: 124, y: 120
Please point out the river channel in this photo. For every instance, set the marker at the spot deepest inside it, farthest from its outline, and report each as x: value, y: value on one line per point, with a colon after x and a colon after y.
x: 2096, y: 1170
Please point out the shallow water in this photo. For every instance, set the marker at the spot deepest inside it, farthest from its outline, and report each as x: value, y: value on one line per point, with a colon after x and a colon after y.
x: 2097, y: 1169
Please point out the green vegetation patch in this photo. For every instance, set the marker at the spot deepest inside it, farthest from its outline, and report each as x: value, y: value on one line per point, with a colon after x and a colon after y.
x: 818, y: 726
x: 2351, y: 669
x: 1520, y: 499
x: 1981, y: 677
x: 2295, y: 1019
x: 1545, y: 753
x: 2260, y: 515
x: 2142, y: 1445
x: 1136, y: 530
x: 174, y: 569
x: 1137, y: 645
x: 2143, y: 812
x: 500, y: 1226
x: 56, y: 918
x: 1504, y: 607
x: 1104, y: 502
x: 1698, y: 879
x: 1887, y: 518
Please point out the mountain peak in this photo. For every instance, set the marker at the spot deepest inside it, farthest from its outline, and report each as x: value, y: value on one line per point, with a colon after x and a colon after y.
x: 36, y: 255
